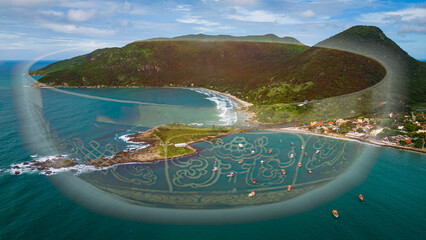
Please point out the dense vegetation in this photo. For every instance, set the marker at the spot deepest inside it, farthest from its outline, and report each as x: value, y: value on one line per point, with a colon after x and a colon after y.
x: 414, y: 86
x: 264, y: 72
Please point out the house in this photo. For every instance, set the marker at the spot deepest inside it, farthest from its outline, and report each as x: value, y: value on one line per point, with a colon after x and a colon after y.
x: 340, y: 121
x: 376, y: 131
x: 181, y: 145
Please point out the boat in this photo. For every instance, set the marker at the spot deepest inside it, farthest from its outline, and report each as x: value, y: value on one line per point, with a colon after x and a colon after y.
x: 361, y: 198
x: 317, y: 151
x: 335, y: 213
x: 231, y: 174
x: 252, y: 151
x: 270, y: 150
x: 241, y: 161
x: 302, y: 147
x: 309, y: 170
x: 306, y: 154
x: 240, y: 145
x: 299, y: 164
x: 252, y: 194
x: 291, y: 155
x: 214, y: 169
x: 254, y: 180
x: 292, y: 143
x: 262, y: 162
x: 281, y: 140
x: 283, y: 171
x: 34, y: 156
x: 289, y: 188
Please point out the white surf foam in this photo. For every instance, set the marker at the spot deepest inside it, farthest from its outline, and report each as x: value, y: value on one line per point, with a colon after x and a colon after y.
x: 225, y: 105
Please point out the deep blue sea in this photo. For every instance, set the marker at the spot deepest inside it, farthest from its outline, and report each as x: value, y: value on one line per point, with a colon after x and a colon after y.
x: 32, y: 208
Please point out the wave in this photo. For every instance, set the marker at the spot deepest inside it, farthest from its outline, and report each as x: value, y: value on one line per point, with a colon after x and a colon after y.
x: 131, y: 146
x: 227, y: 115
x: 30, y: 167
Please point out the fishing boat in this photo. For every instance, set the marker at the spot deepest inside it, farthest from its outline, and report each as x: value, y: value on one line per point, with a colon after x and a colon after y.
x: 262, y: 162
x: 361, y: 198
x: 283, y: 171
x: 270, y: 150
x: 309, y: 170
x: 241, y: 161
x: 292, y: 143
x: 214, y: 169
x: 306, y: 154
x: 317, y: 151
x: 240, y: 145
x: 291, y: 155
x: 289, y: 188
x: 299, y: 164
x: 254, y: 180
x: 252, y: 194
x: 252, y: 151
x: 231, y: 174
x: 302, y: 147
x: 34, y: 156
x: 335, y: 213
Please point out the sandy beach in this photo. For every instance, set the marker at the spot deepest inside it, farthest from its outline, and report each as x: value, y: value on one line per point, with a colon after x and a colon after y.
x: 241, y: 103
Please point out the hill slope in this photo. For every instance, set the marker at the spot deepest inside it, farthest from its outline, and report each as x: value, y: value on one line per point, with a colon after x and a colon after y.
x: 260, y: 72
x: 254, y: 38
x: 372, y: 41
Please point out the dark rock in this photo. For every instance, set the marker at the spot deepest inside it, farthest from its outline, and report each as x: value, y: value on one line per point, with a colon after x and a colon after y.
x: 17, y: 173
x: 25, y: 163
x: 16, y: 167
x: 48, y: 172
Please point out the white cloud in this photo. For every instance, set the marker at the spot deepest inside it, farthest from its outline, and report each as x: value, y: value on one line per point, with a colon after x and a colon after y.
x: 405, y: 15
x: 73, y: 29
x: 412, y: 29
x: 242, y: 14
x: 410, y: 20
x: 308, y: 14
x: 53, y: 13
x: 235, y: 2
x: 78, y: 15
x: 196, y: 20
x: 183, y: 8
x: 25, y: 3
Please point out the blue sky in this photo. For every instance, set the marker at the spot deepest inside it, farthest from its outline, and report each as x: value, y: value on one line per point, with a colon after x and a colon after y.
x: 58, y: 29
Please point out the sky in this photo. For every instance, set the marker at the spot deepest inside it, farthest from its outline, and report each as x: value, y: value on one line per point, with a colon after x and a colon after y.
x: 60, y: 29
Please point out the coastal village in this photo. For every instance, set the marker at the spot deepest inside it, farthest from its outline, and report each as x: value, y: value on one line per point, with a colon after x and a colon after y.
x: 404, y: 131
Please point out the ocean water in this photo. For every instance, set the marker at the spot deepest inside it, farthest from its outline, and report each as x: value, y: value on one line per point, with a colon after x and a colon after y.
x: 33, y: 208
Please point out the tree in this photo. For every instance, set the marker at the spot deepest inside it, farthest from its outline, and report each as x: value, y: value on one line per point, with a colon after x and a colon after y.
x: 360, y: 130
x: 410, y: 127
x: 418, y: 143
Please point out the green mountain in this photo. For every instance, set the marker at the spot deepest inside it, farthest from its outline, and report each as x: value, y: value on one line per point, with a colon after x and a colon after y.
x: 264, y: 72
x: 253, y: 38
x: 370, y: 40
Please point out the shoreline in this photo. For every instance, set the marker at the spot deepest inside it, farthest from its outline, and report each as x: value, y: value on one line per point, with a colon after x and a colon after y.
x: 241, y: 103
x: 150, y: 153
x: 342, y: 137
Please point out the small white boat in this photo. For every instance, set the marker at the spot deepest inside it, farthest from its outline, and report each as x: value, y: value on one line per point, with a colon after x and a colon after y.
x: 317, y: 151
x: 34, y: 156
x: 231, y: 174
x: 262, y: 162
x: 214, y: 169
x: 291, y: 155
x: 240, y: 145
x: 252, y: 152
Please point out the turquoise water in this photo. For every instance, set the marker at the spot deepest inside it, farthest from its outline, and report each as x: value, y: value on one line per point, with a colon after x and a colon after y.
x: 32, y: 208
